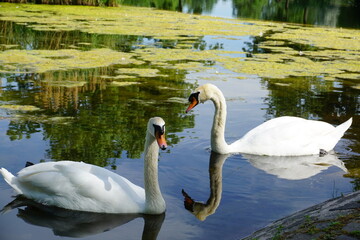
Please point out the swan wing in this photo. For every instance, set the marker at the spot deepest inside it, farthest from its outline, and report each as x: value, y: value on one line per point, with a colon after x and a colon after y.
x: 80, y: 186
x: 291, y: 136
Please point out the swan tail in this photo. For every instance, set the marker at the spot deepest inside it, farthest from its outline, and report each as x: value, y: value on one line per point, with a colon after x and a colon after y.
x: 345, y: 125
x: 330, y: 139
x: 341, y: 129
x: 10, y: 179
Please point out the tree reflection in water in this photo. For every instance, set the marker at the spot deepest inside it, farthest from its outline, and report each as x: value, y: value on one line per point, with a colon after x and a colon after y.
x: 78, y: 105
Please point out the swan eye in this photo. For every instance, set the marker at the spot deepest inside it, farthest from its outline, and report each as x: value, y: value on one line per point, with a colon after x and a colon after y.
x: 194, y: 96
x: 160, y: 130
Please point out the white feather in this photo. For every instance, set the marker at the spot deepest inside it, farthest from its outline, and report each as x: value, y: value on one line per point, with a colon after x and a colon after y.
x: 283, y: 136
x: 85, y: 187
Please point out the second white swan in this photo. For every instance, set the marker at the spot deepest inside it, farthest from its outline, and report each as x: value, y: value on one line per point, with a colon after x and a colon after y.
x: 85, y: 187
x: 282, y: 136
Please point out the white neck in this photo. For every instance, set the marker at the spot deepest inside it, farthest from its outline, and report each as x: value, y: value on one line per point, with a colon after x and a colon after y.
x: 218, y: 143
x: 154, y: 203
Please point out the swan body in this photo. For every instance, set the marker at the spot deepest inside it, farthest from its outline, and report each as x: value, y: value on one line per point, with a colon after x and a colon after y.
x: 85, y: 187
x: 282, y: 136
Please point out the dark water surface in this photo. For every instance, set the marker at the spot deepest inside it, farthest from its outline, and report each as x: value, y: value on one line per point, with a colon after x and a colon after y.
x: 105, y: 125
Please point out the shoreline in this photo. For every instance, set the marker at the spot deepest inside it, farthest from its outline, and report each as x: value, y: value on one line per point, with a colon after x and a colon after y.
x: 337, y: 218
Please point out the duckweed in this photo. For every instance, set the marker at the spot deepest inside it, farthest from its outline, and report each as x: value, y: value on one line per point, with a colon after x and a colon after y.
x: 51, y: 60
x: 123, y: 20
x: 122, y: 76
x: 123, y: 84
x: 290, y: 49
x: 140, y: 72
x: 43, y: 119
x: 19, y: 107
x: 67, y: 84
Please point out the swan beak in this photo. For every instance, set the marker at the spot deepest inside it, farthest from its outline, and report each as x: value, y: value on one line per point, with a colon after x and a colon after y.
x: 160, y: 138
x: 193, y: 99
x: 188, y: 201
x: 191, y: 106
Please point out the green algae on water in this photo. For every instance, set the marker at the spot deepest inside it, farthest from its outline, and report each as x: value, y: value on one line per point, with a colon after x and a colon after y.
x: 64, y: 59
x: 67, y: 84
x: 23, y: 108
x: 289, y: 49
x: 124, y: 20
x: 123, y: 84
x: 140, y: 72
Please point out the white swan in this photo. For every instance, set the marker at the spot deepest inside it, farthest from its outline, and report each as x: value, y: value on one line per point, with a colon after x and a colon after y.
x: 283, y: 136
x: 85, y: 187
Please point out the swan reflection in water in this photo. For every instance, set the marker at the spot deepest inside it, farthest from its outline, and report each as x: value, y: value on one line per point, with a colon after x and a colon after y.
x: 290, y: 168
x: 297, y: 167
x: 202, y: 210
x: 78, y: 224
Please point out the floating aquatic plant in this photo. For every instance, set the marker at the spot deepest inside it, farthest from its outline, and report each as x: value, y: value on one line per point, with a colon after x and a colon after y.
x: 64, y: 59
x: 123, y: 84
x: 140, y: 72
x: 290, y: 49
x: 19, y: 107
x: 121, y: 76
x: 67, y: 84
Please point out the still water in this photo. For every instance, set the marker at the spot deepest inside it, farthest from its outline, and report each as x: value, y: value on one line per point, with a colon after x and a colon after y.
x: 103, y: 123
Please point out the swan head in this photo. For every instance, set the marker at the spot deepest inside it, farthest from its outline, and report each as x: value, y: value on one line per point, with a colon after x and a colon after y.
x: 156, y: 127
x: 198, y: 209
x: 201, y: 94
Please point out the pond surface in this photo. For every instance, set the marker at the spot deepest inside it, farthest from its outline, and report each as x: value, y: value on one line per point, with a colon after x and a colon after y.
x: 72, y: 92
x: 334, y: 13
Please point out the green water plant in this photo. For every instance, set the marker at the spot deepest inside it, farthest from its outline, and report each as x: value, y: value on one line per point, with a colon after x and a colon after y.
x: 289, y: 49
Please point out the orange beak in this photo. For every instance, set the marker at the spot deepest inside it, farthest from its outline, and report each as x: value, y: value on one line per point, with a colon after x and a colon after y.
x: 160, y: 138
x: 193, y: 99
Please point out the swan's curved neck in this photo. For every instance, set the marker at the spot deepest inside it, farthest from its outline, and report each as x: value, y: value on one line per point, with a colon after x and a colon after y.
x: 154, y: 203
x: 215, y: 173
x: 218, y: 143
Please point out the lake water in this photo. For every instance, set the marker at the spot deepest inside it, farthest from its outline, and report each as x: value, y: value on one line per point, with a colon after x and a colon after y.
x: 334, y: 13
x: 83, y: 116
